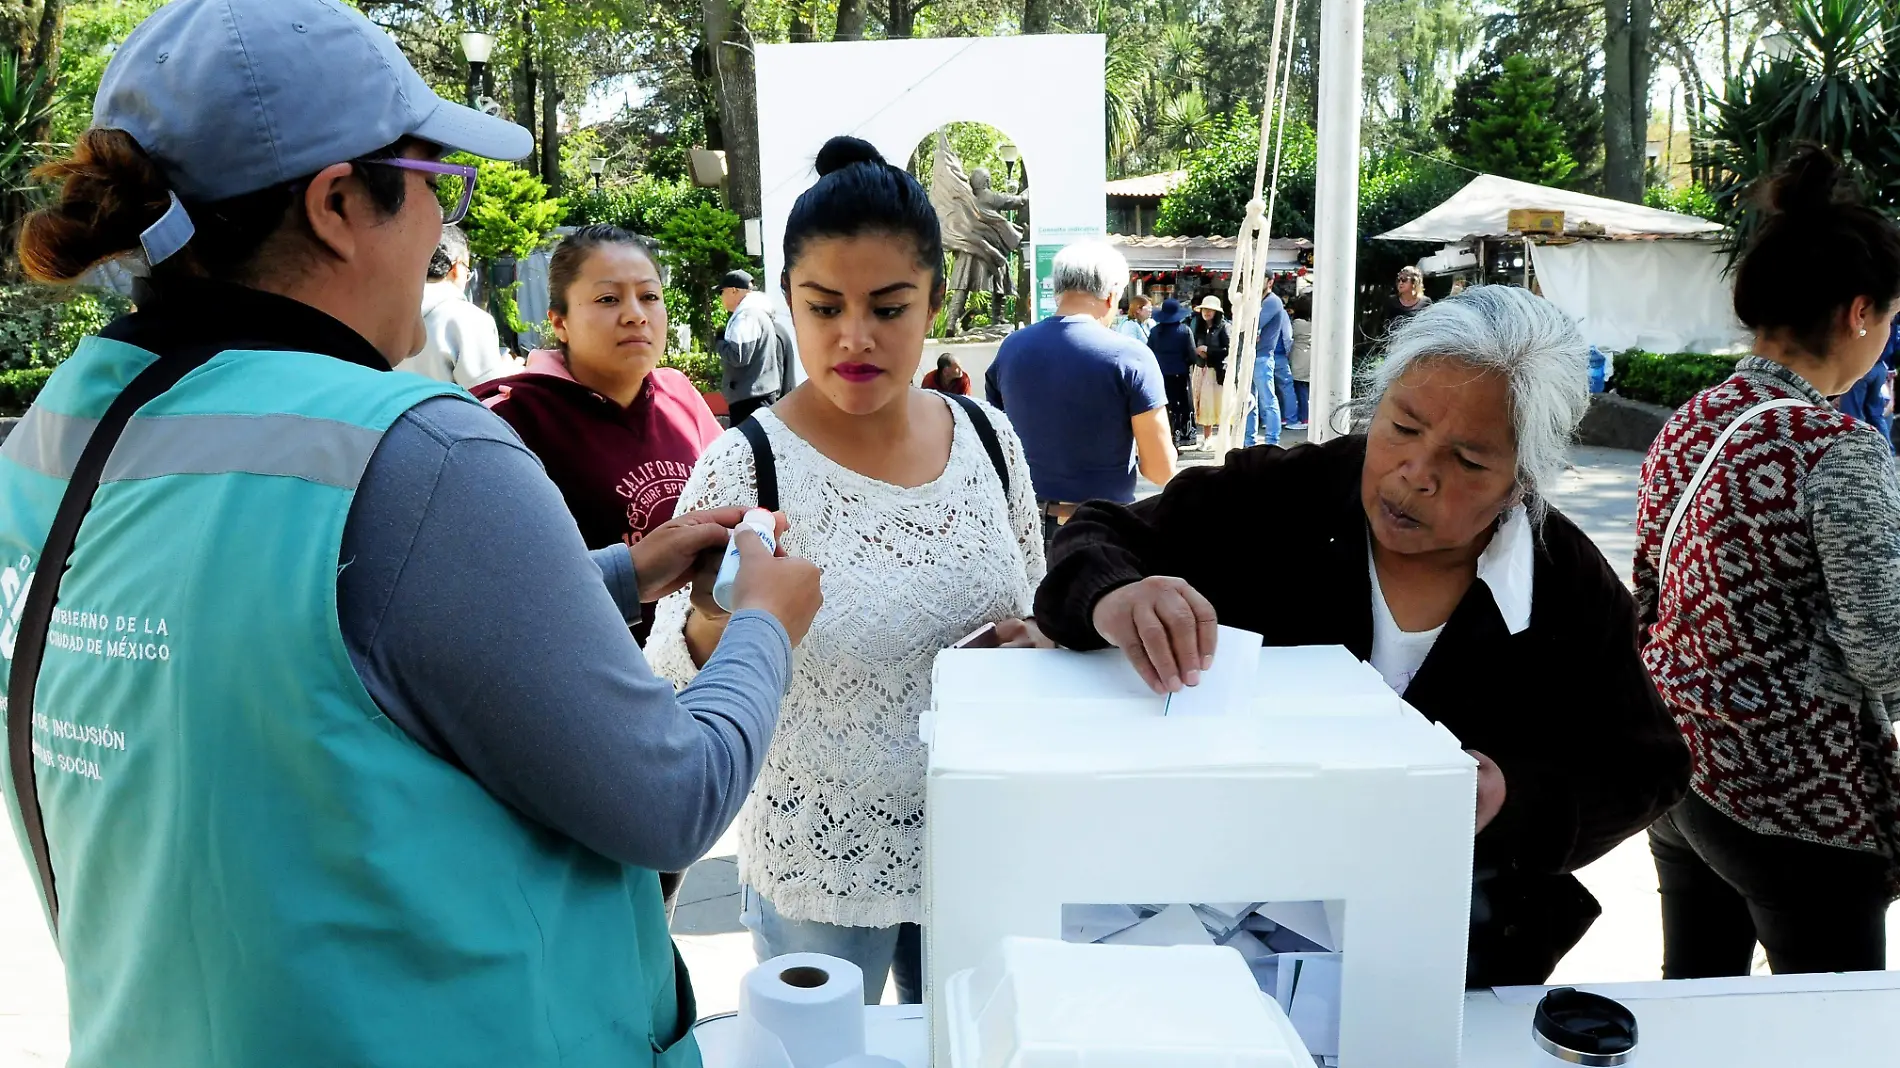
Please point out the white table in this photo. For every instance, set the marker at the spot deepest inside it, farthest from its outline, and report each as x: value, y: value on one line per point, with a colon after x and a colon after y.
x: 1850, y: 1021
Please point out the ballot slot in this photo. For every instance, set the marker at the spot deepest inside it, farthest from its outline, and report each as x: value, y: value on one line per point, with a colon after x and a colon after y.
x: 1295, y: 950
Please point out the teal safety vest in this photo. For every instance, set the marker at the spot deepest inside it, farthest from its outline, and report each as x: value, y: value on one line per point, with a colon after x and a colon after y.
x: 255, y: 867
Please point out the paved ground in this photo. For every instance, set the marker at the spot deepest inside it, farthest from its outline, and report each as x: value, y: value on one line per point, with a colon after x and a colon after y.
x: 1599, y: 493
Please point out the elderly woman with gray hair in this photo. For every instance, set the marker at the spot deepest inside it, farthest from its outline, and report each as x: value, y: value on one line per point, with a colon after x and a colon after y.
x: 1423, y: 544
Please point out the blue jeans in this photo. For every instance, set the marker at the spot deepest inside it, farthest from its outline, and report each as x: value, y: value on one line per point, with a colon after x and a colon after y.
x: 1263, y: 415
x: 880, y: 952
x: 1291, y: 410
x: 1302, y: 392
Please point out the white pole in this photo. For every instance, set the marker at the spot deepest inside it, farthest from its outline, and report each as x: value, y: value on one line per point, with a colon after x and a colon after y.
x: 1336, y: 230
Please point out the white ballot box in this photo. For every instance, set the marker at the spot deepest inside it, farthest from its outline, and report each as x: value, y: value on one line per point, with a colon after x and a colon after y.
x: 1315, y: 823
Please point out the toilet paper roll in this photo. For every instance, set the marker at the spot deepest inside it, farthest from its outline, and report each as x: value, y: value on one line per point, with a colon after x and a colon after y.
x: 755, y: 1047
x: 813, y: 1003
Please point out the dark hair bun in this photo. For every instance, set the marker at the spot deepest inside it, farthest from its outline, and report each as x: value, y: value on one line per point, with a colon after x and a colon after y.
x: 1811, y: 181
x: 1818, y: 247
x: 842, y: 152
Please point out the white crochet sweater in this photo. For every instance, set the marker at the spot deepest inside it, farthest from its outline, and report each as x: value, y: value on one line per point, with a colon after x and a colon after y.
x: 833, y: 831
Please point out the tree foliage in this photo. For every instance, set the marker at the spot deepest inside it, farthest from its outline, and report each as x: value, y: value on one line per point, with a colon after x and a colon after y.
x: 1574, y: 110
x: 1513, y: 135
x: 1213, y: 198
x: 511, y: 213
x: 700, y: 243
x: 642, y: 205
x: 1838, y: 86
x: 1395, y: 186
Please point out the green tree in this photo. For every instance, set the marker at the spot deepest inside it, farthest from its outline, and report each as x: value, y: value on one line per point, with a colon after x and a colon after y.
x: 643, y: 205
x: 1686, y: 200
x: 93, y: 30
x: 698, y: 244
x: 511, y: 213
x: 1213, y: 199
x: 1514, y: 136
x: 1575, y: 107
x: 1838, y: 86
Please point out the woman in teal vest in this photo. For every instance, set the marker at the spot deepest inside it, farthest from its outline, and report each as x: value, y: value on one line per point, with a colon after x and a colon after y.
x: 327, y: 737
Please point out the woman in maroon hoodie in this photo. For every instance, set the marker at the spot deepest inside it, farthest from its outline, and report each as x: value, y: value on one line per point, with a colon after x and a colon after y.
x: 618, y: 433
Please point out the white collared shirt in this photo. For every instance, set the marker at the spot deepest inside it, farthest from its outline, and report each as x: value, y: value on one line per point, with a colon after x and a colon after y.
x: 1505, y: 565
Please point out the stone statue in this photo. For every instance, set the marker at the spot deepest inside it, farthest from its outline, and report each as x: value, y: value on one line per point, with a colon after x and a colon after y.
x: 975, y: 231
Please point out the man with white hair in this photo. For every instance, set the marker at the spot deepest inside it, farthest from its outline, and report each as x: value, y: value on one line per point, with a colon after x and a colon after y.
x: 1088, y: 403
x: 463, y: 345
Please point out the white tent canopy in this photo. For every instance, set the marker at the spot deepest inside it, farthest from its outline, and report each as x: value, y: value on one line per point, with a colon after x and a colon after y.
x: 1482, y: 209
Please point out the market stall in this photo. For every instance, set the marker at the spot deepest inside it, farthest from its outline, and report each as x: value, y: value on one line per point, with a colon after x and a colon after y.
x: 1631, y: 276
x: 1189, y: 268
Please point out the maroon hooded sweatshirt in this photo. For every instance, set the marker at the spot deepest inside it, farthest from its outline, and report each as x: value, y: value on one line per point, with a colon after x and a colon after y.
x: 620, y: 469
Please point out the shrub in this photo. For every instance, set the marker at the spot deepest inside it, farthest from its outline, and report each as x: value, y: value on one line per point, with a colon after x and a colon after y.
x: 41, y: 325
x: 1684, y: 200
x: 510, y: 214
x: 19, y: 388
x: 699, y: 244
x: 643, y: 206
x: 703, y: 368
x: 1668, y: 380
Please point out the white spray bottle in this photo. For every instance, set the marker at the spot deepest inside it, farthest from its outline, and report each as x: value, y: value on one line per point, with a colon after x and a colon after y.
x: 757, y: 521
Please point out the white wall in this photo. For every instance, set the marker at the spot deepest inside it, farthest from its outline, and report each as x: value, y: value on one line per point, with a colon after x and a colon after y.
x: 1045, y: 92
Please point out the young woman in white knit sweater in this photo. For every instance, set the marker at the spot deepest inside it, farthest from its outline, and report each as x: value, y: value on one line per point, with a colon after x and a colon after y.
x: 919, y: 509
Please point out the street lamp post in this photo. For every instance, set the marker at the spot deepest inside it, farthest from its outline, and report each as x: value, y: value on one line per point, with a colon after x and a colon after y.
x: 598, y: 167
x: 1010, y: 154
x: 477, y: 47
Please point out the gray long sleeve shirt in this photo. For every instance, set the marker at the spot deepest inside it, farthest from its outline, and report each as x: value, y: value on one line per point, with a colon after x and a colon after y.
x: 478, y: 624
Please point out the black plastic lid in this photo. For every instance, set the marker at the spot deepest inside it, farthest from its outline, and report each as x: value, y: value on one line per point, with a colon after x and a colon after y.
x: 1587, y: 1024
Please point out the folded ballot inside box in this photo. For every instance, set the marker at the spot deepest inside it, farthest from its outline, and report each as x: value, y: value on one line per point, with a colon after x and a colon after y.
x: 1041, y: 1004
x: 1322, y: 830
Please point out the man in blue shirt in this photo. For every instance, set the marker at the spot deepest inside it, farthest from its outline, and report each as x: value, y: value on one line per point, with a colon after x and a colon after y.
x: 1271, y: 396
x: 1087, y: 403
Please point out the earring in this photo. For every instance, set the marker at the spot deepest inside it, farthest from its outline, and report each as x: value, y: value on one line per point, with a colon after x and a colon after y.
x: 1863, y: 331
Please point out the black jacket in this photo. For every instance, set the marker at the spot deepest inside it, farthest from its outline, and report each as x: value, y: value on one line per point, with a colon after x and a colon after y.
x: 1589, y: 753
x: 1218, y: 337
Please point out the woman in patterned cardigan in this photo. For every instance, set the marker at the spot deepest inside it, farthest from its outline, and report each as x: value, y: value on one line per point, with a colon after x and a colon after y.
x: 1768, y: 578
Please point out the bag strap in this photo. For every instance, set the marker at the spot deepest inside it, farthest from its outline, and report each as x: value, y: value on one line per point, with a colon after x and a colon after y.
x: 754, y: 432
x: 36, y: 614
x: 1702, y: 474
x: 767, y: 466
x: 986, y: 431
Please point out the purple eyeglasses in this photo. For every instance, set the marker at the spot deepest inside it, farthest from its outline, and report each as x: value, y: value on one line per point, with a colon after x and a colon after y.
x: 448, y: 195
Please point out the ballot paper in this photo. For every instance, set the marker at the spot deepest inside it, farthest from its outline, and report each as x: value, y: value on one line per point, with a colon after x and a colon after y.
x: 1227, y: 687
x: 1176, y: 925
x: 1092, y: 923
x: 1292, y: 948
x: 1308, y: 991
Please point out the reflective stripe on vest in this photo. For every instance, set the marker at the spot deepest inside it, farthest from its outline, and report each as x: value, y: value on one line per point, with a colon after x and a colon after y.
x: 316, y: 450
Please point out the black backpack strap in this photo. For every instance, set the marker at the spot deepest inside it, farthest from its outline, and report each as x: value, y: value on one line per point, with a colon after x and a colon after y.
x: 754, y: 433
x: 36, y: 614
x: 986, y: 430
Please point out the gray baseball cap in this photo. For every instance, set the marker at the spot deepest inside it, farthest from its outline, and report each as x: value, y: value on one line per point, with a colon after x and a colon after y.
x: 233, y: 96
